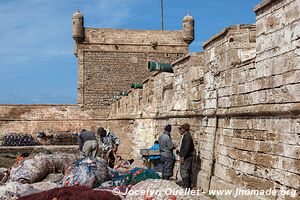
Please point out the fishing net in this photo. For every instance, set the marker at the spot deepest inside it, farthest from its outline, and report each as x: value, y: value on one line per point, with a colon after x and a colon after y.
x: 73, y: 193
x: 37, y: 168
x: 134, y: 176
x: 12, y: 190
x: 31, y: 170
x: 88, y: 172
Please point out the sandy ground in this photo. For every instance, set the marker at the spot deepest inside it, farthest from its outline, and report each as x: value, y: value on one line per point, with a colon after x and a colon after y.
x: 6, y: 162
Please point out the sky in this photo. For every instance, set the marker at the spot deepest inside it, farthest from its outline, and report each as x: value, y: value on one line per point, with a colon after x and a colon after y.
x: 37, y: 64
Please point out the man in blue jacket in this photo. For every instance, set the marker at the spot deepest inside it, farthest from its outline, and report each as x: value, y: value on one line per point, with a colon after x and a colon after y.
x: 154, y: 147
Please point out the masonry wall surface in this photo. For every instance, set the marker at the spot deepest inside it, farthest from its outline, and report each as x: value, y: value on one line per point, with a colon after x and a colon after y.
x: 109, y: 60
x: 243, y: 104
x: 31, y: 119
x: 166, y: 98
x: 241, y: 96
x: 257, y: 136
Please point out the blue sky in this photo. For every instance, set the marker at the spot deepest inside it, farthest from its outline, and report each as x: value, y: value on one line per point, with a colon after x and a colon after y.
x: 37, y: 64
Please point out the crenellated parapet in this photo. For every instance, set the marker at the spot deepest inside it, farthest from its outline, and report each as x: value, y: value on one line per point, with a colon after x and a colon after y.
x: 118, y: 57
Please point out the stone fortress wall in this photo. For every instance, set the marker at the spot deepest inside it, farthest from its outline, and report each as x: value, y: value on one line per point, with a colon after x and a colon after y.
x: 241, y: 96
x: 109, y: 60
x: 31, y: 119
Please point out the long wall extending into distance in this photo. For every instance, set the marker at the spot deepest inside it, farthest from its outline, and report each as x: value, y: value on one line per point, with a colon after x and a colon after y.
x: 242, y: 97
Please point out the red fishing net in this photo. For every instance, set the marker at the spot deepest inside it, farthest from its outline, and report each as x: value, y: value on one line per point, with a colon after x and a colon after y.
x: 72, y: 193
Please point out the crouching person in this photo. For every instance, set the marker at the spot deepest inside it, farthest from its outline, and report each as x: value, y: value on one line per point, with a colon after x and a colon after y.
x: 88, y: 144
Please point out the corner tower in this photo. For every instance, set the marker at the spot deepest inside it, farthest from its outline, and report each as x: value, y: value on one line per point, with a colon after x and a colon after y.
x: 188, y: 29
x: 78, y: 26
x: 110, y: 60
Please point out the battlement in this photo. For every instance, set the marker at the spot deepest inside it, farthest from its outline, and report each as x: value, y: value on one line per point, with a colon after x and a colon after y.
x: 232, y: 31
x: 109, y: 60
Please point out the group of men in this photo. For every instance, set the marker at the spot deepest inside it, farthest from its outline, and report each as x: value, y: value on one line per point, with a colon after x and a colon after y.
x: 185, y: 153
x: 109, y: 142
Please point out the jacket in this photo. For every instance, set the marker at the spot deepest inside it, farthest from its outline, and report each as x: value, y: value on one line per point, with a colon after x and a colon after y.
x: 187, y: 146
x: 166, y: 145
x: 85, y: 136
x: 109, y: 141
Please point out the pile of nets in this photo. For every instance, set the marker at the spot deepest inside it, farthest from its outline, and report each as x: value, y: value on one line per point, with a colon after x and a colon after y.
x: 73, y: 193
x: 37, y: 168
x: 61, y: 161
x: 13, y: 190
x: 90, y: 172
x: 133, y: 176
x: 54, y: 178
x: 3, y: 172
x: 31, y: 170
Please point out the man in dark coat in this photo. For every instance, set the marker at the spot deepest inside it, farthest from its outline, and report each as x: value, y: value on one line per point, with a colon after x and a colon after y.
x: 186, y: 155
x: 166, y: 151
x: 88, y: 144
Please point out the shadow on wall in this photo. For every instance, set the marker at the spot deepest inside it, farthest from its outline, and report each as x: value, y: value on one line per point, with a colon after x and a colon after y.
x: 196, y: 169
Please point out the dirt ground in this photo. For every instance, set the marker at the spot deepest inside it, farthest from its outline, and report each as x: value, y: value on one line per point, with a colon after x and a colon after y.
x: 6, y: 162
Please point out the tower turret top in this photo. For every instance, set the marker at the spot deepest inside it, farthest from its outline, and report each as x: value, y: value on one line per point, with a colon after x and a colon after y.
x: 188, y: 18
x: 77, y: 14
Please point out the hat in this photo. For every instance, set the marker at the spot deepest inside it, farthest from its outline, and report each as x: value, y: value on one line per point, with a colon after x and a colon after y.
x: 101, y: 131
x: 185, y: 126
x: 168, y: 128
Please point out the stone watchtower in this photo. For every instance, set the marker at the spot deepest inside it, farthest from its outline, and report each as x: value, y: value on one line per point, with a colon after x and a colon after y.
x: 109, y: 60
x: 188, y: 29
x: 77, y: 26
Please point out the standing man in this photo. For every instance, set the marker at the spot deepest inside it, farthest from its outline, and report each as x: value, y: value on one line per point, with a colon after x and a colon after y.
x: 166, y: 151
x: 186, y: 155
x: 109, y: 142
x: 88, y: 144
